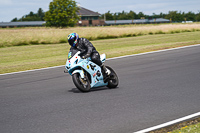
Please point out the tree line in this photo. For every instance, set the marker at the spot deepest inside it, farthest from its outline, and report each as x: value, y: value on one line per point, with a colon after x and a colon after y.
x: 63, y: 13
x: 39, y: 16
x: 171, y: 15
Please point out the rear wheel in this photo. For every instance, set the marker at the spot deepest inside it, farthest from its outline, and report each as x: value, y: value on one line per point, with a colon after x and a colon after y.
x: 82, y: 84
x: 113, y: 79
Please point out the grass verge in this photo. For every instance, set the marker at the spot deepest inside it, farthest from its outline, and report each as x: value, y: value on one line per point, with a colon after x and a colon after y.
x: 190, y: 126
x: 41, y: 35
x: 188, y: 129
x: 30, y: 57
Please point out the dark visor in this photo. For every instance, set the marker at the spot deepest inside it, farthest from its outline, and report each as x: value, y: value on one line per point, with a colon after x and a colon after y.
x: 71, y: 42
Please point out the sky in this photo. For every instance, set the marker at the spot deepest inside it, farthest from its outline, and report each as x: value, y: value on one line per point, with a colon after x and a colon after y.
x: 10, y: 9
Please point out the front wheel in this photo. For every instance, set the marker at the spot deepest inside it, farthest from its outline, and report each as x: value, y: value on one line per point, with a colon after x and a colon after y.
x: 82, y: 84
x: 113, y: 79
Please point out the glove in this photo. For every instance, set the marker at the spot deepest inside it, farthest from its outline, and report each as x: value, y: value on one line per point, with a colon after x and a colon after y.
x: 85, y: 56
x: 82, y: 52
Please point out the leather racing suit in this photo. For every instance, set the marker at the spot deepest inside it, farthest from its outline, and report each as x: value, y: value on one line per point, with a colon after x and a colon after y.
x: 88, y: 50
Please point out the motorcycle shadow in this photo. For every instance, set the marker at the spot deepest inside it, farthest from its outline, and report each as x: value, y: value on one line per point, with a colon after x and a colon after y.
x: 75, y: 90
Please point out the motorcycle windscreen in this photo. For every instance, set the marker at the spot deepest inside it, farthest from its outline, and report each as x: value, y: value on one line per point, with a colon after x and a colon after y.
x: 72, y: 52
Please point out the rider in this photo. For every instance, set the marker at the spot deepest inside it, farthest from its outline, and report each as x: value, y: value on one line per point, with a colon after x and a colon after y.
x: 87, y: 50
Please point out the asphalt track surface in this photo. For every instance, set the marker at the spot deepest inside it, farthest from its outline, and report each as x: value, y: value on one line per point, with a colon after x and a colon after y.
x: 154, y: 88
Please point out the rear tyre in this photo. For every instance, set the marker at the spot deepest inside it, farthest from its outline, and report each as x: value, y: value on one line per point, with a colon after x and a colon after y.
x: 82, y: 84
x: 113, y: 80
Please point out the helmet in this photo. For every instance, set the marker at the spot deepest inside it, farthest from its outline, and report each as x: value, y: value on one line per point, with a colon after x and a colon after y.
x: 73, y: 39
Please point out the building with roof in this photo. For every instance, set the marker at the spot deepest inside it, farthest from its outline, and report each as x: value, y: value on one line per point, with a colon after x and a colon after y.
x: 89, y: 18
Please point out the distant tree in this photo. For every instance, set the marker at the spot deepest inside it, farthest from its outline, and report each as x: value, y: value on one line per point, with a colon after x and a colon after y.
x: 14, y: 20
x: 31, y: 14
x: 122, y: 15
x: 155, y: 16
x: 190, y: 16
x: 162, y: 15
x: 115, y: 16
x: 40, y: 14
x: 141, y: 15
x: 62, y: 13
x: 175, y: 16
x: 132, y: 15
x: 198, y: 16
x: 109, y: 16
x: 31, y: 18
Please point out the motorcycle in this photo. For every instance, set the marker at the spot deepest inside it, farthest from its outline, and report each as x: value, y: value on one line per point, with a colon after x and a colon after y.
x: 86, y: 74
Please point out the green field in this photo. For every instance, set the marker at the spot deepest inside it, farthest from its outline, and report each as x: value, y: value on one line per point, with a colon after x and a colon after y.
x: 20, y: 58
x: 43, y: 35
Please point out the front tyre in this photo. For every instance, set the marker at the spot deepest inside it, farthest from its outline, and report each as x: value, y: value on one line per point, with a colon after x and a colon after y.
x: 82, y: 84
x: 113, y: 80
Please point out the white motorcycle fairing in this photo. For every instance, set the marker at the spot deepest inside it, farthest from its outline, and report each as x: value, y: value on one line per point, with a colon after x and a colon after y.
x: 76, y: 64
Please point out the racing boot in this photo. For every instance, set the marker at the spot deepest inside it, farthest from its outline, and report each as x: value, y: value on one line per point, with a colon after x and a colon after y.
x: 106, y: 72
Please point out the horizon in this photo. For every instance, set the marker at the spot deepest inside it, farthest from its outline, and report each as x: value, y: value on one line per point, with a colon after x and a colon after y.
x: 11, y: 9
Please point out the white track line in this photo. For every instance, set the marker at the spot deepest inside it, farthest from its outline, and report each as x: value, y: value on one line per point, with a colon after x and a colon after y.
x: 107, y: 59
x: 169, y: 123
x: 31, y: 70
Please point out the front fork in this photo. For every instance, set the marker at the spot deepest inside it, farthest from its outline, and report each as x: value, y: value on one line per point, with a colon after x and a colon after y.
x: 82, y: 74
x: 83, y: 77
